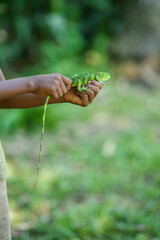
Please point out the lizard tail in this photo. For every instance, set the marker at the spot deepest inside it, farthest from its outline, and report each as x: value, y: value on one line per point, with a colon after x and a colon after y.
x: 41, y: 143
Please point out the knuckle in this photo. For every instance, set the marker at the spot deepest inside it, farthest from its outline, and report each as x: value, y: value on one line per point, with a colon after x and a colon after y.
x: 59, y: 80
x: 95, y: 82
x: 68, y: 87
x: 52, y: 89
x: 100, y: 85
x: 56, y: 82
x: 64, y: 90
x: 96, y: 89
x: 55, y: 95
x: 59, y: 90
x: 57, y: 74
x: 58, y: 77
x: 84, y: 104
x: 69, y: 81
x: 61, y: 94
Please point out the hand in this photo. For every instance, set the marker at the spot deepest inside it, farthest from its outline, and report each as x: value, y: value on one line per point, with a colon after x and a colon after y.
x: 55, y: 85
x: 83, y: 99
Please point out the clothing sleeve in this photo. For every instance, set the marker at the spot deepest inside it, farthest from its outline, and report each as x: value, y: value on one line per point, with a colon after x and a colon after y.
x: 1, y: 75
x: 3, y: 166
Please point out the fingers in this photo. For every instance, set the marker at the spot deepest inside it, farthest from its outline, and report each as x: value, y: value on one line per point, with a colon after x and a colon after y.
x: 66, y: 81
x: 55, y: 94
x: 91, y: 96
x: 84, y: 99
x: 59, y: 91
x: 62, y: 85
x: 94, y: 87
x: 54, y: 84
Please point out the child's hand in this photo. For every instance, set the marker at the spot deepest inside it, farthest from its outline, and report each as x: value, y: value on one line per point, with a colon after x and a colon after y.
x: 83, y: 99
x: 55, y: 85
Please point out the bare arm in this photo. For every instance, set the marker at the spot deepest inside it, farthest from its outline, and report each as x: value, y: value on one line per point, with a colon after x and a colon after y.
x: 45, y: 85
x: 32, y: 91
x: 28, y: 100
x: 15, y: 87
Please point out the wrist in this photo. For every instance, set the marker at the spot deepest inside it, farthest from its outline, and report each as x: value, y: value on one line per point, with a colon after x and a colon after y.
x: 30, y: 84
x: 54, y: 100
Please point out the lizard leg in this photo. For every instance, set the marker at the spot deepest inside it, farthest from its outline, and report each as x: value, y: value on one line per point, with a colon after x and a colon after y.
x: 82, y: 89
x: 99, y: 79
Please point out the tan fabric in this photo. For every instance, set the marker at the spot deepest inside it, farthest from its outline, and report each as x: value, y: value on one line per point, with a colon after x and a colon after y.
x: 1, y: 75
x: 3, y: 167
x: 5, y: 233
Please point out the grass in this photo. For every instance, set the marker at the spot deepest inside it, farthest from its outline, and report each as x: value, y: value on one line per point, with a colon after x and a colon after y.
x: 99, y: 178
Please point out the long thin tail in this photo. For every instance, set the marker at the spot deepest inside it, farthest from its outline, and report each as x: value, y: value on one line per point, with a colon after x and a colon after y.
x: 41, y: 143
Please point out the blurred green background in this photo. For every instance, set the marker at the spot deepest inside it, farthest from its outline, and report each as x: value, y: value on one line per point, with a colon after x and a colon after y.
x: 99, y: 177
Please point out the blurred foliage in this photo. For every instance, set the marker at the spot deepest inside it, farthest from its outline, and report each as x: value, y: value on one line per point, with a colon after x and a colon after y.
x: 39, y: 31
x: 39, y: 37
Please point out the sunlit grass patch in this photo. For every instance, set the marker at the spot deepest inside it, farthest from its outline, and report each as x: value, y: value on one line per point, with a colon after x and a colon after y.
x: 99, y: 175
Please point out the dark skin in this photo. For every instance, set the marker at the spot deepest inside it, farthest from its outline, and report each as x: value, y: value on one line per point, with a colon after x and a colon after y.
x: 32, y: 91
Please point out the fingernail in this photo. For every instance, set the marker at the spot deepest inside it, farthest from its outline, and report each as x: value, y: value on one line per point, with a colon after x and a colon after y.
x: 89, y: 81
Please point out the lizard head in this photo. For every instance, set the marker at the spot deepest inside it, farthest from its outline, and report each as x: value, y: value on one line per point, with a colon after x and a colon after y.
x: 104, y: 76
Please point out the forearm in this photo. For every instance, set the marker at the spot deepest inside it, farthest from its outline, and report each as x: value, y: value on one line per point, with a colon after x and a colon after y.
x: 15, y: 87
x: 27, y: 101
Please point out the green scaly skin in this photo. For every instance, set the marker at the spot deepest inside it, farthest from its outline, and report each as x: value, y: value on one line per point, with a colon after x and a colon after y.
x: 77, y: 81
x: 82, y: 79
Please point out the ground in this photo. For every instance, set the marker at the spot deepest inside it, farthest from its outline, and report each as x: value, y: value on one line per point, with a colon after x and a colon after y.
x: 99, y: 177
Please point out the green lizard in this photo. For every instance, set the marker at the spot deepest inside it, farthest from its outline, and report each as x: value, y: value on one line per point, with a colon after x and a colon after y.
x: 78, y: 81
x: 82, y: 79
